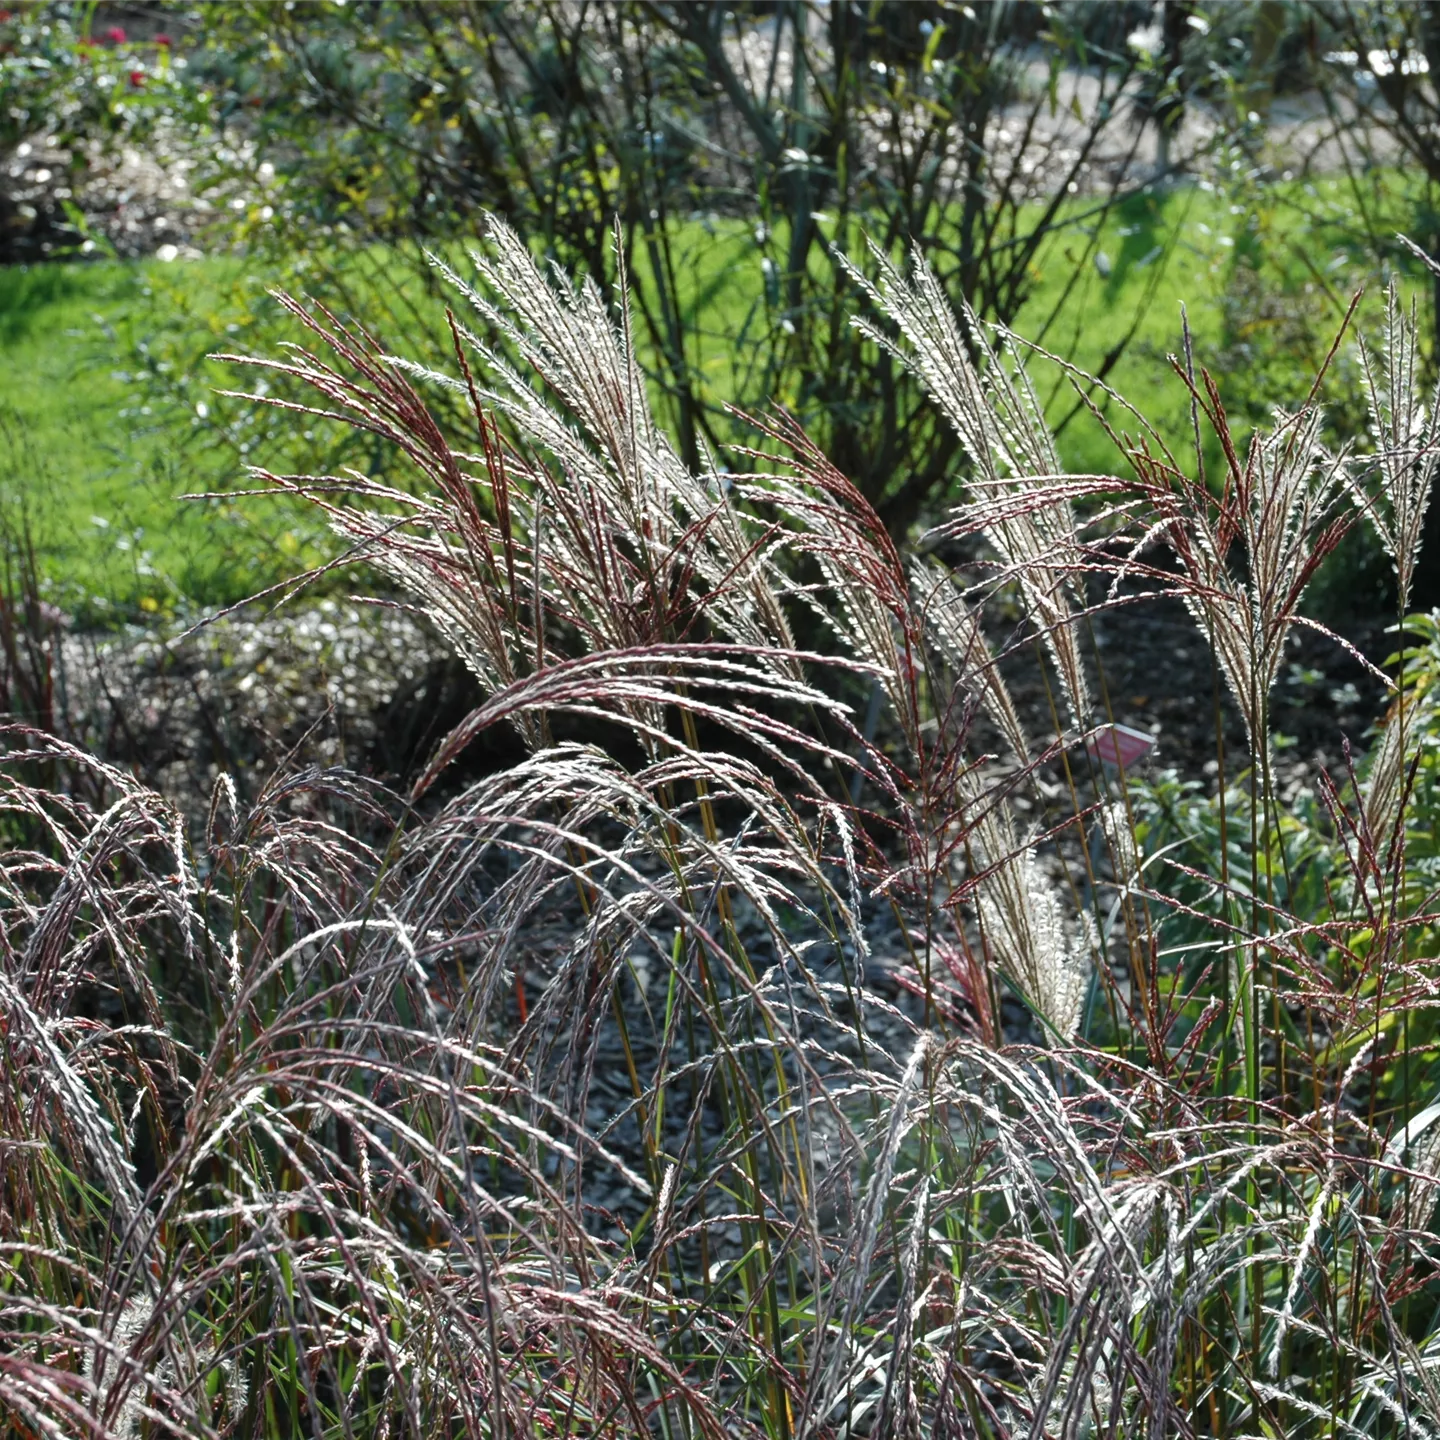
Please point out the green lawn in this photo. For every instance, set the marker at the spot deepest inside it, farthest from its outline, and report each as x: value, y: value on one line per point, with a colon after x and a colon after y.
x: 108, y: 414
x: 85, y: 457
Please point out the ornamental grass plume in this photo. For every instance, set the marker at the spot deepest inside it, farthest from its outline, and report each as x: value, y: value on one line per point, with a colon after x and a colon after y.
x: 1022, y: 922
x: 1018, y: 496
x: 954, y: 629
x: 1281, y: 510
x: 1407, y: 452
x: 1407, y: 442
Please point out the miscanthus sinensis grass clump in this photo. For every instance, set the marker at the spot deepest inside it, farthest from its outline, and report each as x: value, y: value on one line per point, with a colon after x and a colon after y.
x: 300, y: 1125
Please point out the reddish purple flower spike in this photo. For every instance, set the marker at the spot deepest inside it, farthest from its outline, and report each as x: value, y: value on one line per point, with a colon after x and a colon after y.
x: 164, y: 41
x: 137, y: 78
x: 115, y: 35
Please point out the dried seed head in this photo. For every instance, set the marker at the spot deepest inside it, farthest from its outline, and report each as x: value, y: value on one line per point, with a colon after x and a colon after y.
x: 1407, y: 442
x: 1384, y: 789
x: 1023, y: 924
x: 1015, y: 497
x: 955, y: 631
x: 1115, y: 825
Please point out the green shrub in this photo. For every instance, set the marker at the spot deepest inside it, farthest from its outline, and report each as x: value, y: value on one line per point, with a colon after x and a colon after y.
x: 79, y: 87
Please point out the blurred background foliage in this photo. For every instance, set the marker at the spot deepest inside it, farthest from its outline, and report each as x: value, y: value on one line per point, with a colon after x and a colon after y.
x: 1076, y: 170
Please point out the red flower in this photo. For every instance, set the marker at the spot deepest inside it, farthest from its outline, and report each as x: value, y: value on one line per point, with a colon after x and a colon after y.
x: 164, y: 41
x: 4, y: 16
x: 137, y: 78
x: 115, y: 35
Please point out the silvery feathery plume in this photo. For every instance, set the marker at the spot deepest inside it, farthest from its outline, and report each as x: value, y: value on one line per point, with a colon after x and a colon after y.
x: 1280, y: 505
x: 1023, y: 924
x: 1407, y: 441
x: 1115, y: 824
x: 130, y: 1324
x: 954, y: 630
x: 592, y: 526
x: 828, y: 1380
x: 997, y: 416
x: 1384, y: 789
x: 1416, y: 1146
x: 1407, y: 453
x: 1425, y: 1159
x: 865, y: 594
x: 126, y: 1344
x: 606, y: 438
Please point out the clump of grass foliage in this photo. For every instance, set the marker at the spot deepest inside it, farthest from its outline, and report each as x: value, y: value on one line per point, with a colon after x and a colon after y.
x: 298, y: 1132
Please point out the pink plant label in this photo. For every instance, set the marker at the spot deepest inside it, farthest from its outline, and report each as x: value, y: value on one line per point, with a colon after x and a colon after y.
x: 1119, y: 745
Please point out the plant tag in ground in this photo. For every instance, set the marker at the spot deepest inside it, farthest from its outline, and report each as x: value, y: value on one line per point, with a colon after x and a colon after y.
x: 1119, y: 746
